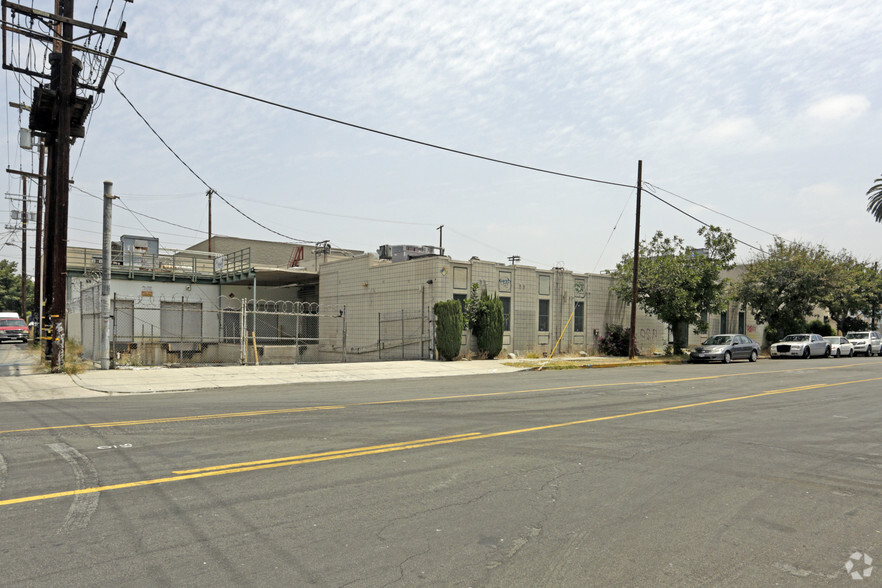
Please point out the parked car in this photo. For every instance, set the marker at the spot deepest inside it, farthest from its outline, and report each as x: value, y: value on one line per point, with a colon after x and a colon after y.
x: 13, y: 329
x: 725, y: 348
x: 868, y: 342
x: 804, y: 345
x: 840, y: 346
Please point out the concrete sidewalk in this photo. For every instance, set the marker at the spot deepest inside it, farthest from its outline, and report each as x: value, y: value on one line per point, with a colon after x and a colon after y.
x: 149, y: 380
x: 97, y: 383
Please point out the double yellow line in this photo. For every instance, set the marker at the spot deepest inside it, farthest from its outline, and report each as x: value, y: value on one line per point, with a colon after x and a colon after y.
x: 250, y: 466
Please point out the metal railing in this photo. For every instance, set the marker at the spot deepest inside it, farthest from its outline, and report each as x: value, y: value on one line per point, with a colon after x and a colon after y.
x: 178, y: 265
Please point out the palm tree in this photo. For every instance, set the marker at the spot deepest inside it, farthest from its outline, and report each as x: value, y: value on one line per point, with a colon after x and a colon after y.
x: 874, y: 207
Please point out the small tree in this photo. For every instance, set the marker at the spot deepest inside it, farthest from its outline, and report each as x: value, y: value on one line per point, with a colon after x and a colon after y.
x: 677, y: 283
x: 490, y: 324
x: 484, y: 317
x: 10, y: 288
x: 820, y: 327
x: 448, y: 328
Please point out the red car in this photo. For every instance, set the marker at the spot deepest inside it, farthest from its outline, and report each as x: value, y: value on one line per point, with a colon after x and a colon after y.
x: 13, y: 330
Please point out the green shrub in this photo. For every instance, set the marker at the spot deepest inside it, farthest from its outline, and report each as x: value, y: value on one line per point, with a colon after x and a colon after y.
x: 616, y: 341
x: 821, y: 328
x: 489, y: 326
x: 448, y: 328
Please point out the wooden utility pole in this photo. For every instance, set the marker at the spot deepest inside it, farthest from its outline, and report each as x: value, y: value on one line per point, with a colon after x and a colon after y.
x: 209, y: 193
x: 58, y: 115
x: 38, y: 252
x: 59, y: 187
x: 633, y: 343
x: 24, y: 247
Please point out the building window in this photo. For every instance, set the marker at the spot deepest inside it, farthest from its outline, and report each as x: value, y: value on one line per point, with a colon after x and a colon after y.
x: 544, y: 306
x: 460, y: 278
x: 579, y: 316
x: 506, y: 312
x: 462, y: 300
x: 741, y: 324
x: 544, y: 285
x: 724, y: 322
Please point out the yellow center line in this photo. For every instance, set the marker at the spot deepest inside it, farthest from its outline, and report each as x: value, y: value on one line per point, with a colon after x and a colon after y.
x: 409, y: 400
x: 312, y: 455
x: 200, y: 417
x: 378, y: 449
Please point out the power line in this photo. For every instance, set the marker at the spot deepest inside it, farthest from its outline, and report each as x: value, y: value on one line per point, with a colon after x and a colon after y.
x: 663, y: 201
x: 337, y: 215
x: 142, y: 214
x: 710, y: 209
x: 349, y: 124
x: 602, y: 251
x: 192, y: 171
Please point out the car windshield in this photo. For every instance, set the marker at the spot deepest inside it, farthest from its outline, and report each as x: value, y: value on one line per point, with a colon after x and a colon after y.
x: 12, y: 323
x: 796, y: 338
x: 718, y: 340
x: 832, y: 340
x: 858, y: 335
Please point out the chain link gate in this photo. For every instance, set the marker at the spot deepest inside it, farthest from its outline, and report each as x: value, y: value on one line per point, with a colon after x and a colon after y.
x: 282, y: 331
x: 405, y: 335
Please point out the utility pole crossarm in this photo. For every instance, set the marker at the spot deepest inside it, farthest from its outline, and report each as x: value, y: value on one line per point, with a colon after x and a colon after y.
x: 35, y: 13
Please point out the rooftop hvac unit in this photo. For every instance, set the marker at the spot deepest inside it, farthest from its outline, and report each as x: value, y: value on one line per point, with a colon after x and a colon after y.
x: 397, y: 253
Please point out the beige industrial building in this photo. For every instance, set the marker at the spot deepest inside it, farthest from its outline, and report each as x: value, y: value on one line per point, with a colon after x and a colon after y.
x: 316, y: 303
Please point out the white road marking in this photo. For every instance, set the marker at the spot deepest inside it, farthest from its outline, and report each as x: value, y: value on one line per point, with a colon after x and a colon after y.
x: 86, y: 477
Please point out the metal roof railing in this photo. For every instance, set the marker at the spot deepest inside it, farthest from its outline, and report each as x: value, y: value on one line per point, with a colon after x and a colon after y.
x: 180, y: 265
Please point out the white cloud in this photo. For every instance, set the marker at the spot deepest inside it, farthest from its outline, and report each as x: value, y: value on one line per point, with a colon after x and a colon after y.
x: 738, y: 133
x: 842, y: 108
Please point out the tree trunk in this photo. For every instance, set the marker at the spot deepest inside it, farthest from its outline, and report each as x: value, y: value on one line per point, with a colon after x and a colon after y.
x: 680, y: 335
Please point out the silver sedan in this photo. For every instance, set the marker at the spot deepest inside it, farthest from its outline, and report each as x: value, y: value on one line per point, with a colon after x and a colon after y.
x: 725, y: 348
x: 804, y: 345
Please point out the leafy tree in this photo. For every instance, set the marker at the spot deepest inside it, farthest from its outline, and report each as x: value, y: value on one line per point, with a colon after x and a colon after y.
x: 874, y: 195
x: 677, y: 283
x: 10, y: 288
x: 848, y: 297
x: 784, y: 285
x: 448, y: 328
x: 853, y: 323
x: 871, y: 292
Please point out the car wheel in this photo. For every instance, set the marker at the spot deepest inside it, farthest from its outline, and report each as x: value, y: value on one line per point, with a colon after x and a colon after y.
x: 807, y: 353
x: 727, y: 357
x: 869, y: 352
x: 753, y: 356
x: 838, y: 354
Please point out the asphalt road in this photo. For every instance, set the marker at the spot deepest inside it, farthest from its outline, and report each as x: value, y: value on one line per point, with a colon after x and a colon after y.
x: 687, y: 475
x: 14, y: 361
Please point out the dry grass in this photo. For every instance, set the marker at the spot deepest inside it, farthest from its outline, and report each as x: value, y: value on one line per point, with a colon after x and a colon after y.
x: 73, y: 359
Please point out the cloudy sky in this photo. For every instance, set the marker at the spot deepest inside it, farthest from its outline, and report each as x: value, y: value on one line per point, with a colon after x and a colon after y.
x: 762, y: 117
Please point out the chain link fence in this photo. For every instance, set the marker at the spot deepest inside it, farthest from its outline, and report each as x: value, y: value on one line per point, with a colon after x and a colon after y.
x: 237, y: 331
